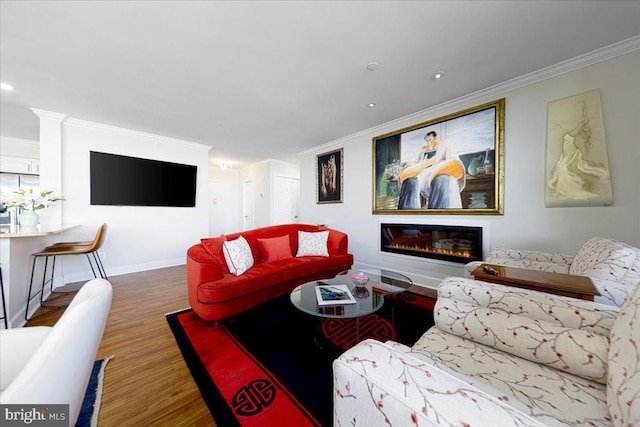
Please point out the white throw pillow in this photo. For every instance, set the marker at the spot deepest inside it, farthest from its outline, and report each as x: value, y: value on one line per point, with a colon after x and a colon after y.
x: 237, y: 253
x: 313, y: 244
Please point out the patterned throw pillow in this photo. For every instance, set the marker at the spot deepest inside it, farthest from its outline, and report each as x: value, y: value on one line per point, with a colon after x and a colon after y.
x: 623, y: 384
x: 237, y: 253
x: 312, y: 244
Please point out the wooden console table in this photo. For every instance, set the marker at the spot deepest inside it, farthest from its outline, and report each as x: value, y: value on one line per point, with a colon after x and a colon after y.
x: 567, y: 285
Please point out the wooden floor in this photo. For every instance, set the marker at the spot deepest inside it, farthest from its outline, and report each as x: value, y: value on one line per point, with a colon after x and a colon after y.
x: 148, y: 382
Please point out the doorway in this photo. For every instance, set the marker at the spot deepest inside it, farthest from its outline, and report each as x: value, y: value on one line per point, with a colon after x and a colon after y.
x: 287, y: 193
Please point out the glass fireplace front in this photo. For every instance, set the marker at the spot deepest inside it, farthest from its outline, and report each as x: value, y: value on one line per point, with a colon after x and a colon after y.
x: 445, y: 242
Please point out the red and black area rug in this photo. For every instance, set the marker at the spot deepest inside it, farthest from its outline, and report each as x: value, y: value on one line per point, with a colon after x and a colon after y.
x: 271, y: 365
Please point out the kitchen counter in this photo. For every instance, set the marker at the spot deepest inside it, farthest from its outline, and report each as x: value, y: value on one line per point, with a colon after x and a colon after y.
x: 16, y: 246
x: 13, y: 231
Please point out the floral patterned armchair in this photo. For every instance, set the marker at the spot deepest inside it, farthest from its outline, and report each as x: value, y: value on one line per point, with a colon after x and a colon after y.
x: 499, y: 356
x: 612, y: 265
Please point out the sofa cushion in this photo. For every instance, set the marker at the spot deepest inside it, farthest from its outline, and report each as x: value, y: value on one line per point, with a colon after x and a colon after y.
x: 623, y: 383
x: 550, y: 396
x: 275, y: 248
x: 213, y: 245
x: 607, y: 259
x: 237, y: 254
x: 312, y: 244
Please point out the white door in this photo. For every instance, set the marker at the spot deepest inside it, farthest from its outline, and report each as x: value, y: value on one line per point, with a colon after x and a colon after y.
x: 287, y: 191
x: 221, y: 209
x: 247, y: 205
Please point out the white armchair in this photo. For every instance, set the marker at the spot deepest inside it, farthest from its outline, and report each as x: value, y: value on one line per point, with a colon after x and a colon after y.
x: 499, y: 356
x: 612, y: 265
x: 52, y: 365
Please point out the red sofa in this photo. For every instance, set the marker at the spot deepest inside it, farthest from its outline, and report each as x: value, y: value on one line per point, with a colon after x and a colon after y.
x: 216, y: 294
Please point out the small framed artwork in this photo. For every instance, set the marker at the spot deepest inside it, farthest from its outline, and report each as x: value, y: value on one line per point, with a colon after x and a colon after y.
x: 577, y: 168
x: 449, y: 165
x: 329, y: 174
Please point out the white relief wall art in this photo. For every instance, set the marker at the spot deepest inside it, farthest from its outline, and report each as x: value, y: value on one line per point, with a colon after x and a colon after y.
x: 577, y: 168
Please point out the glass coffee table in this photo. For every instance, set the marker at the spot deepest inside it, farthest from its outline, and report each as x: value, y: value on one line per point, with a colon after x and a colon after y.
x: 368, y: 298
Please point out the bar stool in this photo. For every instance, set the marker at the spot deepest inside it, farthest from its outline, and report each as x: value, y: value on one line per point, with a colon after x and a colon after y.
x: 5, y: 314
x: 60, y: 249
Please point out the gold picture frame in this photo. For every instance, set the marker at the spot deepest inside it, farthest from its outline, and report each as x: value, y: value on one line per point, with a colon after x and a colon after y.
x: 329, y: 177
x: 450, y: 165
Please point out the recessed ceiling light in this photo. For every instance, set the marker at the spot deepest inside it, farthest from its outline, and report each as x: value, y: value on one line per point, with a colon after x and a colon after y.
x: 372, y: 66
x: 371, y: 105
x: 437, y: 75
x: 6, y: 86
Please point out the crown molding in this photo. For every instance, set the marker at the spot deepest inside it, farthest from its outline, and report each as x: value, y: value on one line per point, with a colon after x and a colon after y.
x: 44, y: 114
x: 609, y: 52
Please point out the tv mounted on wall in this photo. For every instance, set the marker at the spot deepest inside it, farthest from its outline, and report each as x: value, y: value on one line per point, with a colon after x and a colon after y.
x: 131, y: 181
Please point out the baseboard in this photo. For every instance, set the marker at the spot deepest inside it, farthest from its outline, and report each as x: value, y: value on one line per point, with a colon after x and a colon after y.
x: 82, y: 276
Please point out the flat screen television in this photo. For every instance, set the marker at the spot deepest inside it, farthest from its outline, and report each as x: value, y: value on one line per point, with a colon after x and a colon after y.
x: 132, y: 181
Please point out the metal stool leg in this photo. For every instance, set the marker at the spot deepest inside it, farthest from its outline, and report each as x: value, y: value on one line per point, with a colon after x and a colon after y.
x: 101, y: 270
x: 5, y: 314
x: 91, y: 265
x: 29, y: 296
x: 53, y: 295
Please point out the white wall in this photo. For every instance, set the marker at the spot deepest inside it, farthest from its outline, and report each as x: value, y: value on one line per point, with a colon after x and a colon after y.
x: 138, y: 238
x: 526, y: 222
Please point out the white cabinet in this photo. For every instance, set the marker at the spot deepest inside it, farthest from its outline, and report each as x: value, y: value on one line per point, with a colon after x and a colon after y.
x: 14, y: 164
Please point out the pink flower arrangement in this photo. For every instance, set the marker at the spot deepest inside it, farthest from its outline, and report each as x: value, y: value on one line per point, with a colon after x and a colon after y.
x: 360, y: 279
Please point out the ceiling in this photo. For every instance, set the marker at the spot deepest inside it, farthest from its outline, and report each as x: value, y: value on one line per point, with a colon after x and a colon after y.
x: 269, y: 79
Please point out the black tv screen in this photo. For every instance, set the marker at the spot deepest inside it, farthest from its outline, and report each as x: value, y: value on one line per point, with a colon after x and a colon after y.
x: 132, y: 181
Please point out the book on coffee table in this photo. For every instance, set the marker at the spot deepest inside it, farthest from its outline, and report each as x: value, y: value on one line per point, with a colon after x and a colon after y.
x: 334, y: 294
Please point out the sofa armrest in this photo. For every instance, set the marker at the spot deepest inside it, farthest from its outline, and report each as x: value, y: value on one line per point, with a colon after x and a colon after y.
x: 574, y: 350
x: 337, y: 243
x: 16, y: 348
x: 201, y: 266
x: 376, y: 384
x: 555, y: 309
x: 611, y: 292
x: 470, y: 267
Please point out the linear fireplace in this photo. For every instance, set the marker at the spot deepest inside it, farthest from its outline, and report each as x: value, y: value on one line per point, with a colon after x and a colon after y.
x: 445, y: 242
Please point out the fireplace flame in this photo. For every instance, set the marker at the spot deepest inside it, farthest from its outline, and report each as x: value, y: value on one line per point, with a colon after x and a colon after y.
x: 443, y: 251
